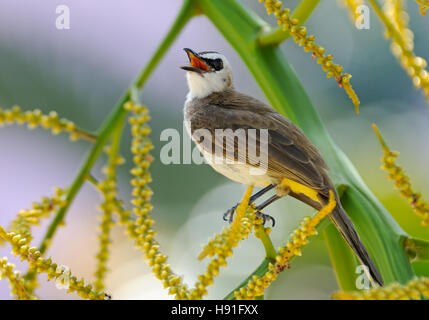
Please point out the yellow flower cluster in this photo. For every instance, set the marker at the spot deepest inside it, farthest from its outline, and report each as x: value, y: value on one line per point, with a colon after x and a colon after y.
x: 403, y: 44
x: 423, y: 6
x: 402, y: 181
x: 413, y: 290
x: 394, y: 9
x: 21, y: 247
x: 256, y: 286
x: 299, y: 237
x: 51, y: 121
x: 139, y: 227
x: 353, y: 5
x: 108, y: 189
x: 16, y: 281
x: 300, y: 36
x: 221, y: 246
x: 27, y: 218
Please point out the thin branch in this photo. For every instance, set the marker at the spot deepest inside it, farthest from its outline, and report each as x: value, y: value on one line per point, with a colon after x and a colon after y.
x: 84, y: 134
x: 262, y: 234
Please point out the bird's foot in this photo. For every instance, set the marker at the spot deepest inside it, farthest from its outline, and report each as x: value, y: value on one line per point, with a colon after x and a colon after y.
x: 265, y: 218
x: 229, y: 214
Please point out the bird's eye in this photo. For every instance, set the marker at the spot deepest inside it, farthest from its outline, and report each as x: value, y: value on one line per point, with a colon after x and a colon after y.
x: 217, y: 64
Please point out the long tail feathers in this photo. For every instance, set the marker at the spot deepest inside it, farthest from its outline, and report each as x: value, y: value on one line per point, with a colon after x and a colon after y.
x: 347, y: 230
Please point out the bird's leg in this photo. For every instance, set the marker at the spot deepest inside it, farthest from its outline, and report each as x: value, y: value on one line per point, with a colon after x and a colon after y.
x: 263, y: 205
x: 281, y: 192
x: 252, y: 199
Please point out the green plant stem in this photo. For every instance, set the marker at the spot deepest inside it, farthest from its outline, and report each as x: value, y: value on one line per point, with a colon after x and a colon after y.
x: 379, y: 231
x: 89, y: 136
x: 261, y: 234
x: 270, y: 252
x: 276, y: 36
x: 263, y: 267
x: 187, y: 11
x: 92, y: 179
x: 417, y: 249
x: 114, y: 149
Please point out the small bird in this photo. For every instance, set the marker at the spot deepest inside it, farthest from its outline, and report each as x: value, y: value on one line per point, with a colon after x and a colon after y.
x: 212, y: 104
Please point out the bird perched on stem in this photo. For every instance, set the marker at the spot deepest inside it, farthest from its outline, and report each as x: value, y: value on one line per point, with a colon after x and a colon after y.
x: 218, y: 117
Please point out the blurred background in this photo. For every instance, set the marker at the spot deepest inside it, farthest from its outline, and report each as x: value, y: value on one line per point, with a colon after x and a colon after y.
x: 82, y: 72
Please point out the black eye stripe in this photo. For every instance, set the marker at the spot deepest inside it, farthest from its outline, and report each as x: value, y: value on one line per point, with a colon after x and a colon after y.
x: 216, y: 64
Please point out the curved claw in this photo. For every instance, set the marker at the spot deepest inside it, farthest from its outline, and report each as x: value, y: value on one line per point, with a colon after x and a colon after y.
x: 225, y: 215
x: 273, y: 221
x: 266, y: 217
x: 230, y: 213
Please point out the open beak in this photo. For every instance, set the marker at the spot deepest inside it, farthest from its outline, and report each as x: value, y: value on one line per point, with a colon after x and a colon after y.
x: 197, y: 64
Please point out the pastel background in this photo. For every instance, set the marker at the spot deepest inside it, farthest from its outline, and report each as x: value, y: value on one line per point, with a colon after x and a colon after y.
x: 83, y: 71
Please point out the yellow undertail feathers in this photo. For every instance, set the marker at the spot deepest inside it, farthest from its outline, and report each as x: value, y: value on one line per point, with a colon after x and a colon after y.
x: 299, y: 189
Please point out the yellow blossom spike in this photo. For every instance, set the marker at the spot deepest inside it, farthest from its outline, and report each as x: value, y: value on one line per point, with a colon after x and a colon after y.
x: 16, y: 281
x: 402, y: 181
x: 291, y: 248
x: 111, y: 204
x: 139, y: 227
x: 107, y: 188
x: 220, y: 247
x: 51, y: 121
x: 413, y: 290
x: 423, y: 6
x: 21, y: 247
x: 395, y: 19
x: 236, y: 231
x: 300, y: 36
x: 25, y: 219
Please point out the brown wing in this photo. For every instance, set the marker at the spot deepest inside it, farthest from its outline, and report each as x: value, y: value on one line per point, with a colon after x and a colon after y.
x: 291, y: 155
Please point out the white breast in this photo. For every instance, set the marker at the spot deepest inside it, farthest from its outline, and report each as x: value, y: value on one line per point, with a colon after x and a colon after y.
x: 239, y: 172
